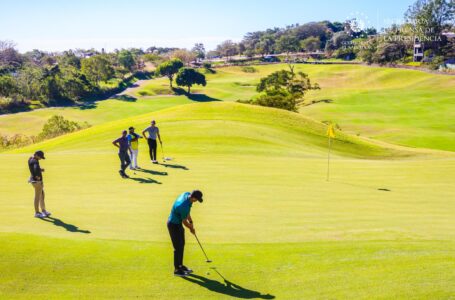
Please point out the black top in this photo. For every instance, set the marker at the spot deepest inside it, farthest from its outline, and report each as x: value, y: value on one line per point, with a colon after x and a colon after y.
x: 35, y: 169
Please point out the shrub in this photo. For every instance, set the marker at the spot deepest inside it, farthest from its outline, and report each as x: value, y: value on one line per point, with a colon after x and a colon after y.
x: 249, y: 69
x: 13, y: 104
x: 57, y: 125
x: 278, y: 99
x: 17, y: 140
x: 436, y: 62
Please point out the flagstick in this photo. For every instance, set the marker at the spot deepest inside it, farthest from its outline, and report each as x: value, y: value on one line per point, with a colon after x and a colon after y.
x: 328, y: 158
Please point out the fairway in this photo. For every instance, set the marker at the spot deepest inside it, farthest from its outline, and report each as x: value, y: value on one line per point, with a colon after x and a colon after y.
x: 382, y: 227
x: 241, y: 150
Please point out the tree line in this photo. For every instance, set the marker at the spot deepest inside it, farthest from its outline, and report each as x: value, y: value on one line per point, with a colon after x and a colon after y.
x: 61, y: 78
x: 426, y: 20
x: 42, y: 78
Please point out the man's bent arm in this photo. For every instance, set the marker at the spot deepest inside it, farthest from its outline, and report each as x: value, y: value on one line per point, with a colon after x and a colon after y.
x: 189, y: 226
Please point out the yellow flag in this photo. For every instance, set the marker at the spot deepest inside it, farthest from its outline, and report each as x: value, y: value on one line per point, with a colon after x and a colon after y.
x: 330, y: 131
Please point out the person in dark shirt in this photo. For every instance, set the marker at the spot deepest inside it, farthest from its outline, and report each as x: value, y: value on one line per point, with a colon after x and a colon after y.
x: 123, y: 148
x: 36, y: 179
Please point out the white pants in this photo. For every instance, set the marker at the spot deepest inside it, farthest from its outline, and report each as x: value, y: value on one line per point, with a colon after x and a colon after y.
x: 134, y: 154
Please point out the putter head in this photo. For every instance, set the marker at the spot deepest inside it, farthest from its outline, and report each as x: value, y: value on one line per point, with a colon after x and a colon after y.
x: 208, y: 260
x: 167, y: 158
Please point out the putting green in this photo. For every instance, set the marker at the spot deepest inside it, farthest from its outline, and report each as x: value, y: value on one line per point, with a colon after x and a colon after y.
x: 382, y: 227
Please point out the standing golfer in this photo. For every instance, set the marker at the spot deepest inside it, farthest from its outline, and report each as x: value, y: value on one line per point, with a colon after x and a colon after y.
x: 36, y: 179
x: 180, y: 213
x: 153, y: 132
x: 133, y: 139
x: 123, y: 148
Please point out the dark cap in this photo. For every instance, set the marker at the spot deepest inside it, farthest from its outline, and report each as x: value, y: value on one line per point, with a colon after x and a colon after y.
x: 197, y: 194
x: 40, y: 154
x: 131, y: 128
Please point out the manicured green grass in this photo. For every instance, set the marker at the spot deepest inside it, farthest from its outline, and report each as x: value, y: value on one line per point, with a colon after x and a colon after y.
x: 382, y: 227
x: 405, y: 107
x: 311, y: 270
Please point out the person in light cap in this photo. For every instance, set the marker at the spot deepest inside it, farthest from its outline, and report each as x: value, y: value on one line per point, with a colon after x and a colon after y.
x: 133, y: 139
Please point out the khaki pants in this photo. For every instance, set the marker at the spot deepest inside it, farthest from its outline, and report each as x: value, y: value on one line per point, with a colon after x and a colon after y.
x: 39, y: 196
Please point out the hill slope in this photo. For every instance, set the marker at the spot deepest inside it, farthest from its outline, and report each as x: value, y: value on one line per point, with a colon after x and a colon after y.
x: 225, y: 128
x: 270, y: 221
x: 410, y: 108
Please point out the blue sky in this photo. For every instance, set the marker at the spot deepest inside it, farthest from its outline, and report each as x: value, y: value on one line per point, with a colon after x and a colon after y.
x: 59, y: 25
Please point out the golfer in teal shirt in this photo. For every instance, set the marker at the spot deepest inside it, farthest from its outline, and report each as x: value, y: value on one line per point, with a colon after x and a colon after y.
x: 180, y: 214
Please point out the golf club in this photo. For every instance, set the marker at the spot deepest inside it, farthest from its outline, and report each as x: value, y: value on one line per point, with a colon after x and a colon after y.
x: 207, y: 259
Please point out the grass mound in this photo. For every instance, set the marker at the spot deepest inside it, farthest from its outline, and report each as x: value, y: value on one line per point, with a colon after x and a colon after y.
x: 227, y: 128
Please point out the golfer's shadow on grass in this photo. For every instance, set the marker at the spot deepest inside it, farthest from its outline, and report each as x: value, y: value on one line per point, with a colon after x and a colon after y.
x: 144, y: 180
x: 228, y: 288
x: 152, y: 172
x: 174, y: 166
x: 68, y: 227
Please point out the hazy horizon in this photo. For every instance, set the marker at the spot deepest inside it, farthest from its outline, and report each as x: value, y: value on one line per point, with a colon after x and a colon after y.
x: 52, y: 26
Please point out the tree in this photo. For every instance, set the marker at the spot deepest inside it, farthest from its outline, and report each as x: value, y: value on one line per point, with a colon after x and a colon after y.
x: 169, y: 69
x: 68, y: 58
x: 265, y: 44
x: 97, y: 68
x: 311, y: 44
x: 287, y: 43
x: 127, y: 60
x: 429, y: 18
x: 338, y: 40
x: 8, y: 86
x: 367, y: 50
x: 227, y: 49
x: 199, y: 50
x: 10, y: 58
x: 284, y: 89
x: 312, y: 29
x: 184, y: 55
x: 188, y: 77
x: 390, y: 51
